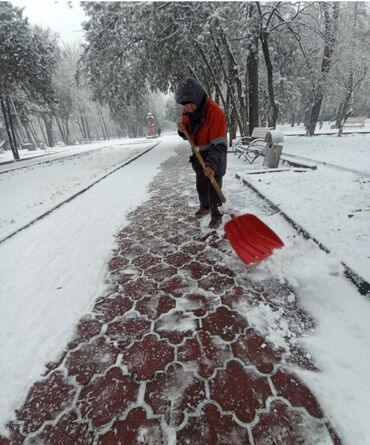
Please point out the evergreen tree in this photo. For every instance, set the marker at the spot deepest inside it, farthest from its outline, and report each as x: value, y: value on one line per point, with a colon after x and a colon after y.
x: 27, y: 59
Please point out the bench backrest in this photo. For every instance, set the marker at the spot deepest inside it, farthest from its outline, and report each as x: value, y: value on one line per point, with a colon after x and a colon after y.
x: 356, y: 120
x: 260, y: 132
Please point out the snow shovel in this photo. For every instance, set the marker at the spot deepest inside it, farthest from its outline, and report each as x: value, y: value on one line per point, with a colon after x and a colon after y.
x: 251, y: 238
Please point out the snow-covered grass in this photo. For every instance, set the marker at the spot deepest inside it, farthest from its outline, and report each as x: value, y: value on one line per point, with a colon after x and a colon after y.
x: 45, y: 185
x: 351, y: 151
x: 300, y: 129
x: 6, y: 157
x: 57, y: 151
x: 333, y: 205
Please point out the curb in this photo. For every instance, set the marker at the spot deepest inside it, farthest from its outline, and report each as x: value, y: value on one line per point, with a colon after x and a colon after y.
x: 360, y: 283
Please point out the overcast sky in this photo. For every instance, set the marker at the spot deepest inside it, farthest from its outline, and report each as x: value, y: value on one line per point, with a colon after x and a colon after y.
x: 57, y: 15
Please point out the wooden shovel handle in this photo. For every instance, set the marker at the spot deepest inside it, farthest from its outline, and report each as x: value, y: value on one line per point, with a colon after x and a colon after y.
x: 202, y: 163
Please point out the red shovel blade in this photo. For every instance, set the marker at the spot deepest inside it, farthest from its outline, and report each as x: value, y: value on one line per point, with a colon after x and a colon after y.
x: 251, y: 238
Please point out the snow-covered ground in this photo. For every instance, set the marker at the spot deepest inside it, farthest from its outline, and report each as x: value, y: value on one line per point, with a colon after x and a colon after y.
x: 6, y: 157
x: 326, y: 128
x: 52, y: 272
x: 322, y: 201
x: 42, y: 296
x: 45, y: 185
x: 351, y: 151
x: 332, y: 204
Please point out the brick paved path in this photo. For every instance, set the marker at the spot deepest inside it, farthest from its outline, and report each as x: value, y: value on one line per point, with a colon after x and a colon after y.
x: 165, y: 357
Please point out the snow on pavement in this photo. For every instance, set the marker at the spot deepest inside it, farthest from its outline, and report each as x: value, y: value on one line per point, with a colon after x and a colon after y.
x: 52, y: 272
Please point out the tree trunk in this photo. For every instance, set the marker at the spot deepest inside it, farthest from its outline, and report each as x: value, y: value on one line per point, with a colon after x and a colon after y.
x: 12, y: 142
x: 252, y: 86
x: 88, y: 132
x: 233, y: 127
x: 104, y: 135
x: 33, y: 132
x: 23, y: 135
x: 103, y: 124
x: 270, y: 83
x: 42, y: 131
x: 81, y: 123
x: 48, y: 121
x: 347, y: 106
x: 350, y: 85
x: 239, y: 86
x: 11, y: 126
x: 339, y: 115
x: 81, y: 127
x: 18, y: 135
x: 251, y: 75
x: 61, y: 129
x: 331, y: 26
x: 67, y: 132
x: 210, y: 69
x: 208, y: 83
x: 30, y: 136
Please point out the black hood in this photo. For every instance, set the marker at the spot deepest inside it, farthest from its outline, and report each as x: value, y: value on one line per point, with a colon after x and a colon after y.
x: 190, y: 90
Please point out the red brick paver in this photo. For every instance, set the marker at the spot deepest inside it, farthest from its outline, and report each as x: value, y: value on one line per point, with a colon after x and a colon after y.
x: 167, y: 355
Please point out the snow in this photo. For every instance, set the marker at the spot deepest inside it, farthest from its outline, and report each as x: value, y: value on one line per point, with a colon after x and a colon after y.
x: 326, y: 129
x: 339, y: 343
x: 46, y: 185
x: 350, y: 151
x: 331, y: 204
x: 60, y: 150
x: 170, y: 323
x: 277, y: 136
x: 320, y: 201
x: 313, y: 197
x: 315, y: 214
x: 40, y: 310
x: 42, y: 297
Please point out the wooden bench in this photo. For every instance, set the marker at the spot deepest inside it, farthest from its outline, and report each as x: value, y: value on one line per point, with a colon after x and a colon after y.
x: 28, y: 146
x: 251, y: 147
x: 355, y: 121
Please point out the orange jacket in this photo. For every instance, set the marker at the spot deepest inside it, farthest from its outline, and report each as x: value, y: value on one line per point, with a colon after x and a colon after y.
x: 211, y: 138
x: 214, y: 129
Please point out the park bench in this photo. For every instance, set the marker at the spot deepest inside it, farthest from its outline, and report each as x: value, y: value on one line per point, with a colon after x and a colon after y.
x: 85, y: 141
x: 355, y: 121
x: 28, y: 146
x: 251, y: 147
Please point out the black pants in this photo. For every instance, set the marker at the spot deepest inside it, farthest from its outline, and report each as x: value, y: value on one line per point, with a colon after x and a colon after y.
x: 208, y: 197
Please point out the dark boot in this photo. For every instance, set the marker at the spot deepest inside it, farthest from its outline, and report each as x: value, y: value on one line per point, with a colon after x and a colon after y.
x: 215, y: 222
x: 202, y: 212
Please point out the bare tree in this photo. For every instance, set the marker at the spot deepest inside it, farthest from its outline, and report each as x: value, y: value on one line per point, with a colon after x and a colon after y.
x: 331, y: 14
